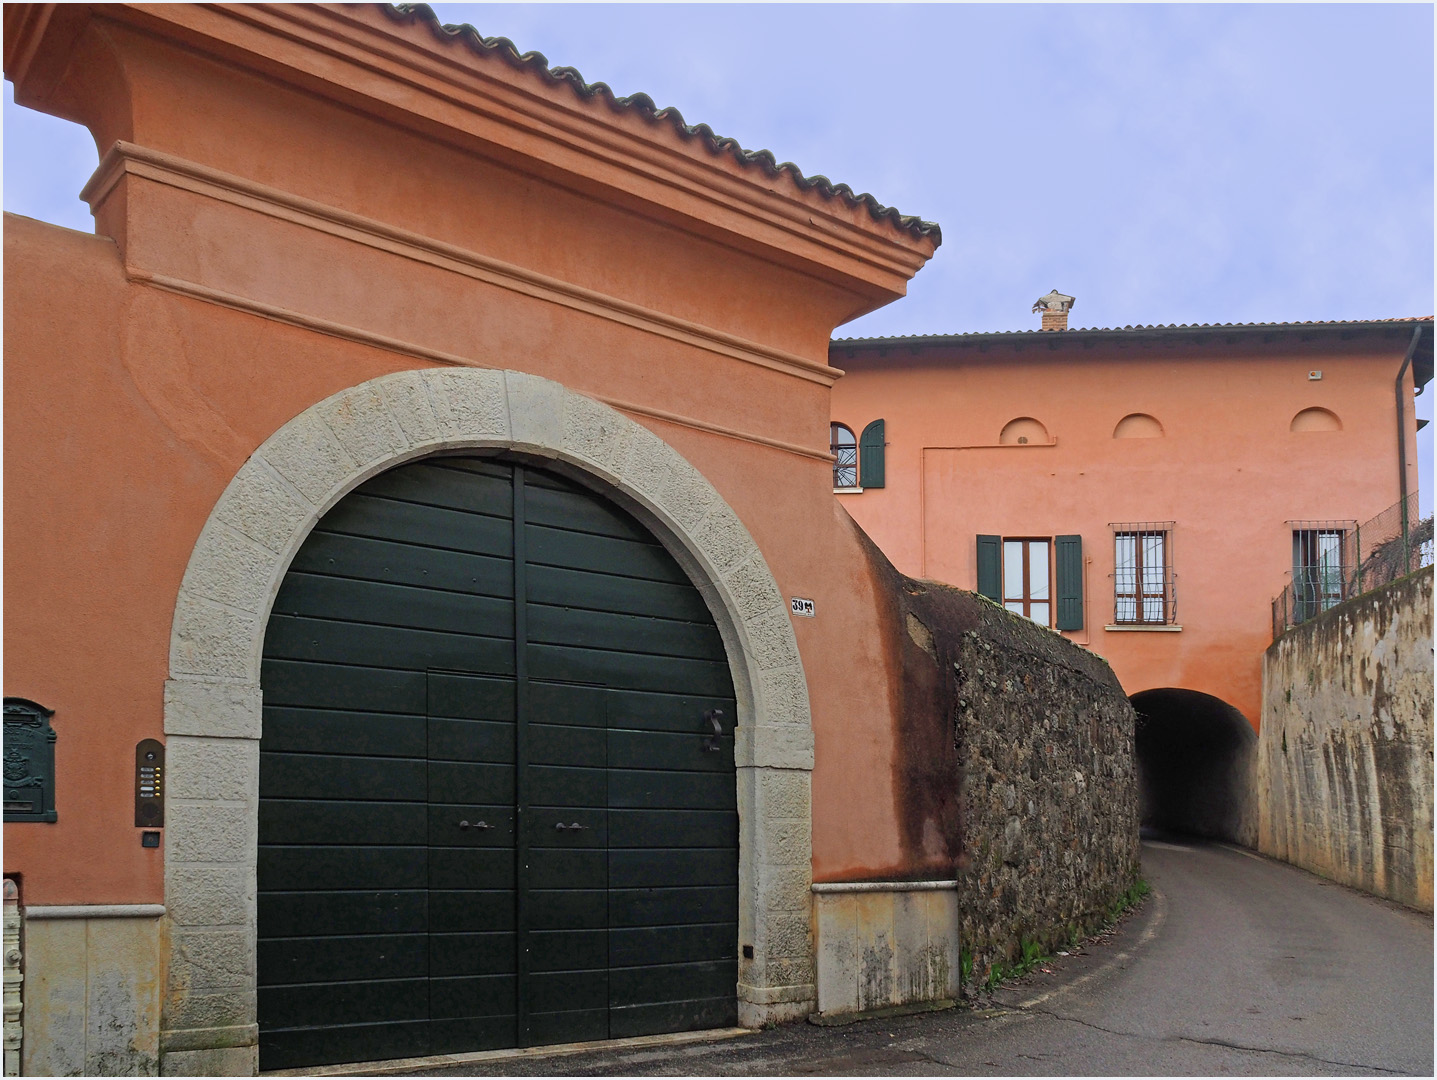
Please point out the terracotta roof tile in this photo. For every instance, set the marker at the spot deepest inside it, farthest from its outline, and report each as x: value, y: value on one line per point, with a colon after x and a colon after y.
x: 643, y: 105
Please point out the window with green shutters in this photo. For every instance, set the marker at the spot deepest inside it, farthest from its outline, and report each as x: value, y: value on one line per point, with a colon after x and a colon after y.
x: 870, y: 456
x: 1036, y: 577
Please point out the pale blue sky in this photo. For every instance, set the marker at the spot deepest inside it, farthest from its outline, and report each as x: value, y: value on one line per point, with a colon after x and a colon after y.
x: 1205, y: 163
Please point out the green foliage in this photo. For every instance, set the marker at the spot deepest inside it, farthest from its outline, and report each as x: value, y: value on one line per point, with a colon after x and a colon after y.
x: 1130, y: 897
x: 965, y: 965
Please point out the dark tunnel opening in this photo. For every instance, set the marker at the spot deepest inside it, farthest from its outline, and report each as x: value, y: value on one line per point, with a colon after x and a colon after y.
x: 1195, y: 756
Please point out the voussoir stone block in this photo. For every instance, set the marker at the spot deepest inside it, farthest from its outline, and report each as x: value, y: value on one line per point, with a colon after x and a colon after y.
x: 186, y: 1008
x: 786, y: 933
x: 229, y: 567
x: 210, y: 896
x: 363, y: 425
x: 208, y: 639
x: 783, y: 793
x: 536, y: 413
x: 787, y: 888
x: 217, y: 709
x: 218, y: 959
x: 260, y: 505
x: 596, y: 434
x: 684, y: 493
x: 771, y: 642
x: 722, y: 538
x: 210, y: 833
x: 786, y: 841
x: 205, y: 768
x: 778, y: 746
x: 224, y: 1061
x: 469, y: 403
x: 408, y: 400
x: 755, y: 593
x: 307, y: 454
x: 782, y: 696
x: 646, y: 468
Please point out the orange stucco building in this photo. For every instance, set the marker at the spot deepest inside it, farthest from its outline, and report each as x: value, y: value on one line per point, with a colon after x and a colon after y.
x: 334, y: 244
x: 1145, y: 491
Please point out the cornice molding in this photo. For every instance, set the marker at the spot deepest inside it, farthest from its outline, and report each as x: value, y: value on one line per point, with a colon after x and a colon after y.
x: 364, y: 59
x: 127, y: 159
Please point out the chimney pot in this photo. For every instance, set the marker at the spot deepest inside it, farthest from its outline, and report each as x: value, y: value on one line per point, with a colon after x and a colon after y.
x: 1055, y: 307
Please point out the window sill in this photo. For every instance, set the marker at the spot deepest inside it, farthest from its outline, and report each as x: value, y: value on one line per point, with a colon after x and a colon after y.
x: 1168, y: 628
x: 848, y: 491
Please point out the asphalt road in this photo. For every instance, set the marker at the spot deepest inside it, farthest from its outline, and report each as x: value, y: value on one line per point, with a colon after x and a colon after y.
x: 1236, y: 965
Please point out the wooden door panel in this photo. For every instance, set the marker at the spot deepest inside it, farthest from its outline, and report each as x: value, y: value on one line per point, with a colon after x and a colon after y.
x: 309, y: 867
x: 346, y: 959
x: 305, y: 821
x: 319, y: 731
x: 480, y: 953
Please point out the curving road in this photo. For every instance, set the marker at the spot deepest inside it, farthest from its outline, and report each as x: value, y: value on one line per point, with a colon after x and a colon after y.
x: 1237, y: 965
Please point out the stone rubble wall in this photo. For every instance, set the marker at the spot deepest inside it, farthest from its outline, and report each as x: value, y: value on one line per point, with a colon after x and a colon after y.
x: 1019, y: 767
x: 1344, y: 765
x: 1049, y: 788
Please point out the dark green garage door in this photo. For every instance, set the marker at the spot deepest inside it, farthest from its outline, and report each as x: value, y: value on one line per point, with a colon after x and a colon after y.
x: 490, y: 811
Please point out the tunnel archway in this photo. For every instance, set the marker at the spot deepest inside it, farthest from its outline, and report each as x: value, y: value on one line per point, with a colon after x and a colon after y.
x: 1195, y: 755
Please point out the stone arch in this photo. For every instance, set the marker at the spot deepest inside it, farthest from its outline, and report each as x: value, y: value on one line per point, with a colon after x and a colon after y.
x: 1024, y: 430
x: 1138, y: 426
x: 212, y: 702
x: 1315, y: 419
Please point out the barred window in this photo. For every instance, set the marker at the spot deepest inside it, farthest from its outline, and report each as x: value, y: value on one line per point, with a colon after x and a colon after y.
x: 1321, y: 565
x: 844, y: 448
x: 1143, y: 579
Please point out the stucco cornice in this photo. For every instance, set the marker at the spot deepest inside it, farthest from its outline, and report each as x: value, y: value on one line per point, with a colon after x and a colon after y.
x: 128, y: 160
x: 358, y: 56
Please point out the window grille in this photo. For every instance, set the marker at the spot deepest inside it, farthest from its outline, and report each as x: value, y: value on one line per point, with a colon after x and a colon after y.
x: 844, y: 448
x: 1144, y: 584
x: 1324, y: 566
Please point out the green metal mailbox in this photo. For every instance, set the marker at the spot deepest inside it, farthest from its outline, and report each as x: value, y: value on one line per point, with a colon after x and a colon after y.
x: 29, y: 761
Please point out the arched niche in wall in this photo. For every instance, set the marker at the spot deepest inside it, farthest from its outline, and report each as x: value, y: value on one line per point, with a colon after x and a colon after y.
x: 1023, y: 429
x: 1138, y: 426
x: 1315, y: 419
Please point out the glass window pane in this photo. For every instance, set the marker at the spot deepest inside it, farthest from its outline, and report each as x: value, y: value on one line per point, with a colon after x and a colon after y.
x: 1040, y: 614
x: 1013, y: 570
x: 1123, y: 552
x: 1015, y: 607
x: 1038, y: 570
x: 1153, y: 551
x: 1127, y: 610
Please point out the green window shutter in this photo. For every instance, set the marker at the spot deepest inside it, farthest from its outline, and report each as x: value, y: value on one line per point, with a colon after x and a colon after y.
x: 870, y: 456
x: 990, y: 567
x: 1070, y: 582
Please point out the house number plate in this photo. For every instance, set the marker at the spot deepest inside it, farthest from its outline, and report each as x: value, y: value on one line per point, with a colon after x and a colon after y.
x: 802, y: 607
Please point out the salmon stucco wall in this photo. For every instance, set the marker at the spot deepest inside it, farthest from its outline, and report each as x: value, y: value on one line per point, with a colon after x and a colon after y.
x: 1345, y: 756
x: 1191, y: 430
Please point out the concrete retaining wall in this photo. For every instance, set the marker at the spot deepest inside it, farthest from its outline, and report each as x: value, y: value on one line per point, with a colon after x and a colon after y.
x: 1345, y: 753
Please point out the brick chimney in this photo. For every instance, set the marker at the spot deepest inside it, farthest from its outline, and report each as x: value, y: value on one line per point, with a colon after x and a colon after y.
x: 1055, y: 307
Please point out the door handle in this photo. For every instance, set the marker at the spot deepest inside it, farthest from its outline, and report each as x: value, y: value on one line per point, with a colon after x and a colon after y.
x: 711, y: 742
x: 476, y: 825
x: 576, y: 825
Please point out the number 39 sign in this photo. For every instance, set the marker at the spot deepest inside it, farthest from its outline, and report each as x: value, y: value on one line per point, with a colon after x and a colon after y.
x: 801, y: 606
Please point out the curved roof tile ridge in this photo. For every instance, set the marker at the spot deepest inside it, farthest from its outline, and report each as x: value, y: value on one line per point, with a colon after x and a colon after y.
x: 1295, y: 323
x: 644, y: 106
